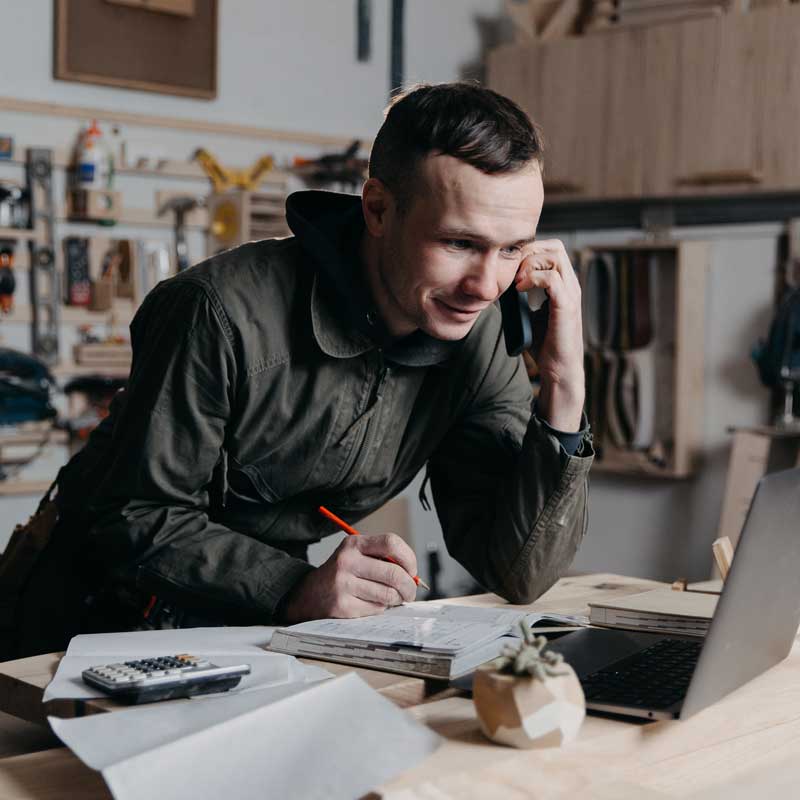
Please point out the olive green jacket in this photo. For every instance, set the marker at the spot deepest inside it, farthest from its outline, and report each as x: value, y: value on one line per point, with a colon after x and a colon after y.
x: 254, y: 397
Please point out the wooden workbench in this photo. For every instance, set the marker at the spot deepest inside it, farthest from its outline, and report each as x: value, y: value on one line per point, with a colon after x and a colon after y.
x: 746, y: 743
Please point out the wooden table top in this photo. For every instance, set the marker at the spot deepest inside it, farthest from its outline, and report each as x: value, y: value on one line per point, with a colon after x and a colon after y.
x: 748, y: 741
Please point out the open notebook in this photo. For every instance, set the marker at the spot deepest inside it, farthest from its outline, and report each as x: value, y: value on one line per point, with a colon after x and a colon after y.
x: 425, y: 639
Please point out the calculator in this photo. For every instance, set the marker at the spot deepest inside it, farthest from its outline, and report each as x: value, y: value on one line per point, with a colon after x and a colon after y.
x: 163, y: 678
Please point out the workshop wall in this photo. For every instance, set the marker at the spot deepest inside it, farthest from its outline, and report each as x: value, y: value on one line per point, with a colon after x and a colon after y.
x: 288, y: 66
x: 291, y: 66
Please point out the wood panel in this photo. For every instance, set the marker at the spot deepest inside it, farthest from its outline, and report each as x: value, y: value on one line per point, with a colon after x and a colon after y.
x: 717, y: 115
x: 626, y: 115
x: 658, y: 114
x: 780, y: 111
x: 508, y: 72
x: 570, y: 104
x: 694, y: 262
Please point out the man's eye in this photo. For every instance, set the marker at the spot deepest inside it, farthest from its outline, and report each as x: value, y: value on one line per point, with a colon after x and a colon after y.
x: 513, y: 250
x: 458, y: 244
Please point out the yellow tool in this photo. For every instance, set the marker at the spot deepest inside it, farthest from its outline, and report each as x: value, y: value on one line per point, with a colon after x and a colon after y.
x: 223, y: 178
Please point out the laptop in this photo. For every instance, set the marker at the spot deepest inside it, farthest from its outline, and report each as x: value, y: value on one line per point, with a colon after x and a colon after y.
x: 657, y: 676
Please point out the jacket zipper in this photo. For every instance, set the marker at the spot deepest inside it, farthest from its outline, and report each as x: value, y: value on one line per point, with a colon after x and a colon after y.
x: 364, y: 438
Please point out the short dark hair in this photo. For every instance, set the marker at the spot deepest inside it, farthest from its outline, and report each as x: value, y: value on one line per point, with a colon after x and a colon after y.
x: 463, y: 120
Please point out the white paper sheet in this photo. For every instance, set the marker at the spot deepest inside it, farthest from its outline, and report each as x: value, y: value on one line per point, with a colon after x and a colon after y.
x: 223, y: 646
x: 332, y: 739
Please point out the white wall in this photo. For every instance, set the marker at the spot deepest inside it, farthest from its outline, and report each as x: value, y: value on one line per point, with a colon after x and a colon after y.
x: 284, y: 65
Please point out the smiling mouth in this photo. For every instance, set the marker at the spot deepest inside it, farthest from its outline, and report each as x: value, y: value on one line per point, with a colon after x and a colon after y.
x: 466, y: 312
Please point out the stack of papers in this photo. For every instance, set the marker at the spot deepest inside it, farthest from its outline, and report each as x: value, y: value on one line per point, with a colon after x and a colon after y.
x: 658, y: 611
x: 222, y: 646
x: 424, y: 639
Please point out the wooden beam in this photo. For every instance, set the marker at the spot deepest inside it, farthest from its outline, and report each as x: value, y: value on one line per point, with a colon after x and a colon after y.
x: 173, y: 123
x: 562, y: 22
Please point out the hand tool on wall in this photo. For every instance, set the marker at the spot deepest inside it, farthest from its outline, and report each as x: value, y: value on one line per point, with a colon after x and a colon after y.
x: 180, y: 206
x: 345, y: 167
x: 7, y: 280
x: 778, y: 358
x: 224, y: 178
x: 363, y: 29
x: 397, y: 47
x: 45, y: 292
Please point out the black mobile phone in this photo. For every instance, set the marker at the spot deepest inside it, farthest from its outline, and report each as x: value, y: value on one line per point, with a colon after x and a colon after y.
x: 521, y: 324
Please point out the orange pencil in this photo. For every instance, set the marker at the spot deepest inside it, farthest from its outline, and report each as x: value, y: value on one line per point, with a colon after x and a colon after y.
x: 351, y: 531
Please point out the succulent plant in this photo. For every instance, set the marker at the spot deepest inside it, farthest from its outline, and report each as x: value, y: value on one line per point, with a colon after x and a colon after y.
x: 530, y: 657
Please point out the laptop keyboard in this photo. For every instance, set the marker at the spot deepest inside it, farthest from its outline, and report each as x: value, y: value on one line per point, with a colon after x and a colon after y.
x: 654, y: 678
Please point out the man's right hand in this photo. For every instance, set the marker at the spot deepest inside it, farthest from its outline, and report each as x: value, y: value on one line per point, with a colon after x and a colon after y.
x: 355, y: 582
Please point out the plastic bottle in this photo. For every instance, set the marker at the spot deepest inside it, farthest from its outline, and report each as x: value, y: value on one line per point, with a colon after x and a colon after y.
x: 93, y: 167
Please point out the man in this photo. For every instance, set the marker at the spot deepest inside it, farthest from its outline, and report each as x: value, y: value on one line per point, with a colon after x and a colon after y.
x: 328, y: 369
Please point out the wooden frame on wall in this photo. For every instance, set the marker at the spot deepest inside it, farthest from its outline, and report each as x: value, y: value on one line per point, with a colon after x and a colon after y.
x: 113, y: 44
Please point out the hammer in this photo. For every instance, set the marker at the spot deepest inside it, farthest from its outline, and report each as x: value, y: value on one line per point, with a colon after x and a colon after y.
x: 181, y: 205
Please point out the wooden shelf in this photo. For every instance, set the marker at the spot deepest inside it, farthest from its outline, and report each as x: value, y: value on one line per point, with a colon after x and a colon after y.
x: 13, y: 487
x: 634, y: 464
x: 188, y: 170
x: 25, y: 435
x: 22, y: 234
x: 670, y: 351
x: 75, y: 315
x: 180, y: 170
x: 69, y: 370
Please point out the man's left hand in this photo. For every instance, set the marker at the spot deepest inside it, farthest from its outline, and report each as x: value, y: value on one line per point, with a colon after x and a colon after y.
x: 559, y: 356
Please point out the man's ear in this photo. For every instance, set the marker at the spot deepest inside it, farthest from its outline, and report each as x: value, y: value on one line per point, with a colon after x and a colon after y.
x: 378, y: 205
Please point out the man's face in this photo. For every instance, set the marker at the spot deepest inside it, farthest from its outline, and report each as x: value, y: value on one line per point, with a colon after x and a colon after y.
x: 457, y: 247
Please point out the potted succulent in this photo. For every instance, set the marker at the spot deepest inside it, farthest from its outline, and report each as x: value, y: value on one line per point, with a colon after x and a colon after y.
x: 529, y: 696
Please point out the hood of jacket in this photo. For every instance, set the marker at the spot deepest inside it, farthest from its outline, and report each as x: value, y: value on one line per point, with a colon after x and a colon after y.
x: 329, y: 227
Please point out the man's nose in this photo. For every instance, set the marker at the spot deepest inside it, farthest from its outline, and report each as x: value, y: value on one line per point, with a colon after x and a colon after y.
x: 481, y: 280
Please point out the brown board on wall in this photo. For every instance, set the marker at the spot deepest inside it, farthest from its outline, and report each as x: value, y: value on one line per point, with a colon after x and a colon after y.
x: 102, y: 42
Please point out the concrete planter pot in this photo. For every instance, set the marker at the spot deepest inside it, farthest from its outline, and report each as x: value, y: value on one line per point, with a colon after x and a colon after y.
x: 525, y: 711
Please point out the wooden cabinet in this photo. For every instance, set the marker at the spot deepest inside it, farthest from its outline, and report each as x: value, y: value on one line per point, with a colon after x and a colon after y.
x: 581, y: 92
x: 704, y: 107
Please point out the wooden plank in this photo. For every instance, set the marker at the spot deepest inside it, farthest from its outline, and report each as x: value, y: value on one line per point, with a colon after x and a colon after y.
x: 173, y: 123
x: 78, y: 315
x: 562, y: 22
x: 694, y: 263
x: 569, y: 101
x: 746, y: 466
x: 659, y: 125
x: 508, y: 73
x: 50, y: 775
x: 721, y: 75
x: 69, y: 369
x: 275, y: 179
x: 624, y: 158
x: 14, y: 487
x: 780, y: 110
x: 19, y: 234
